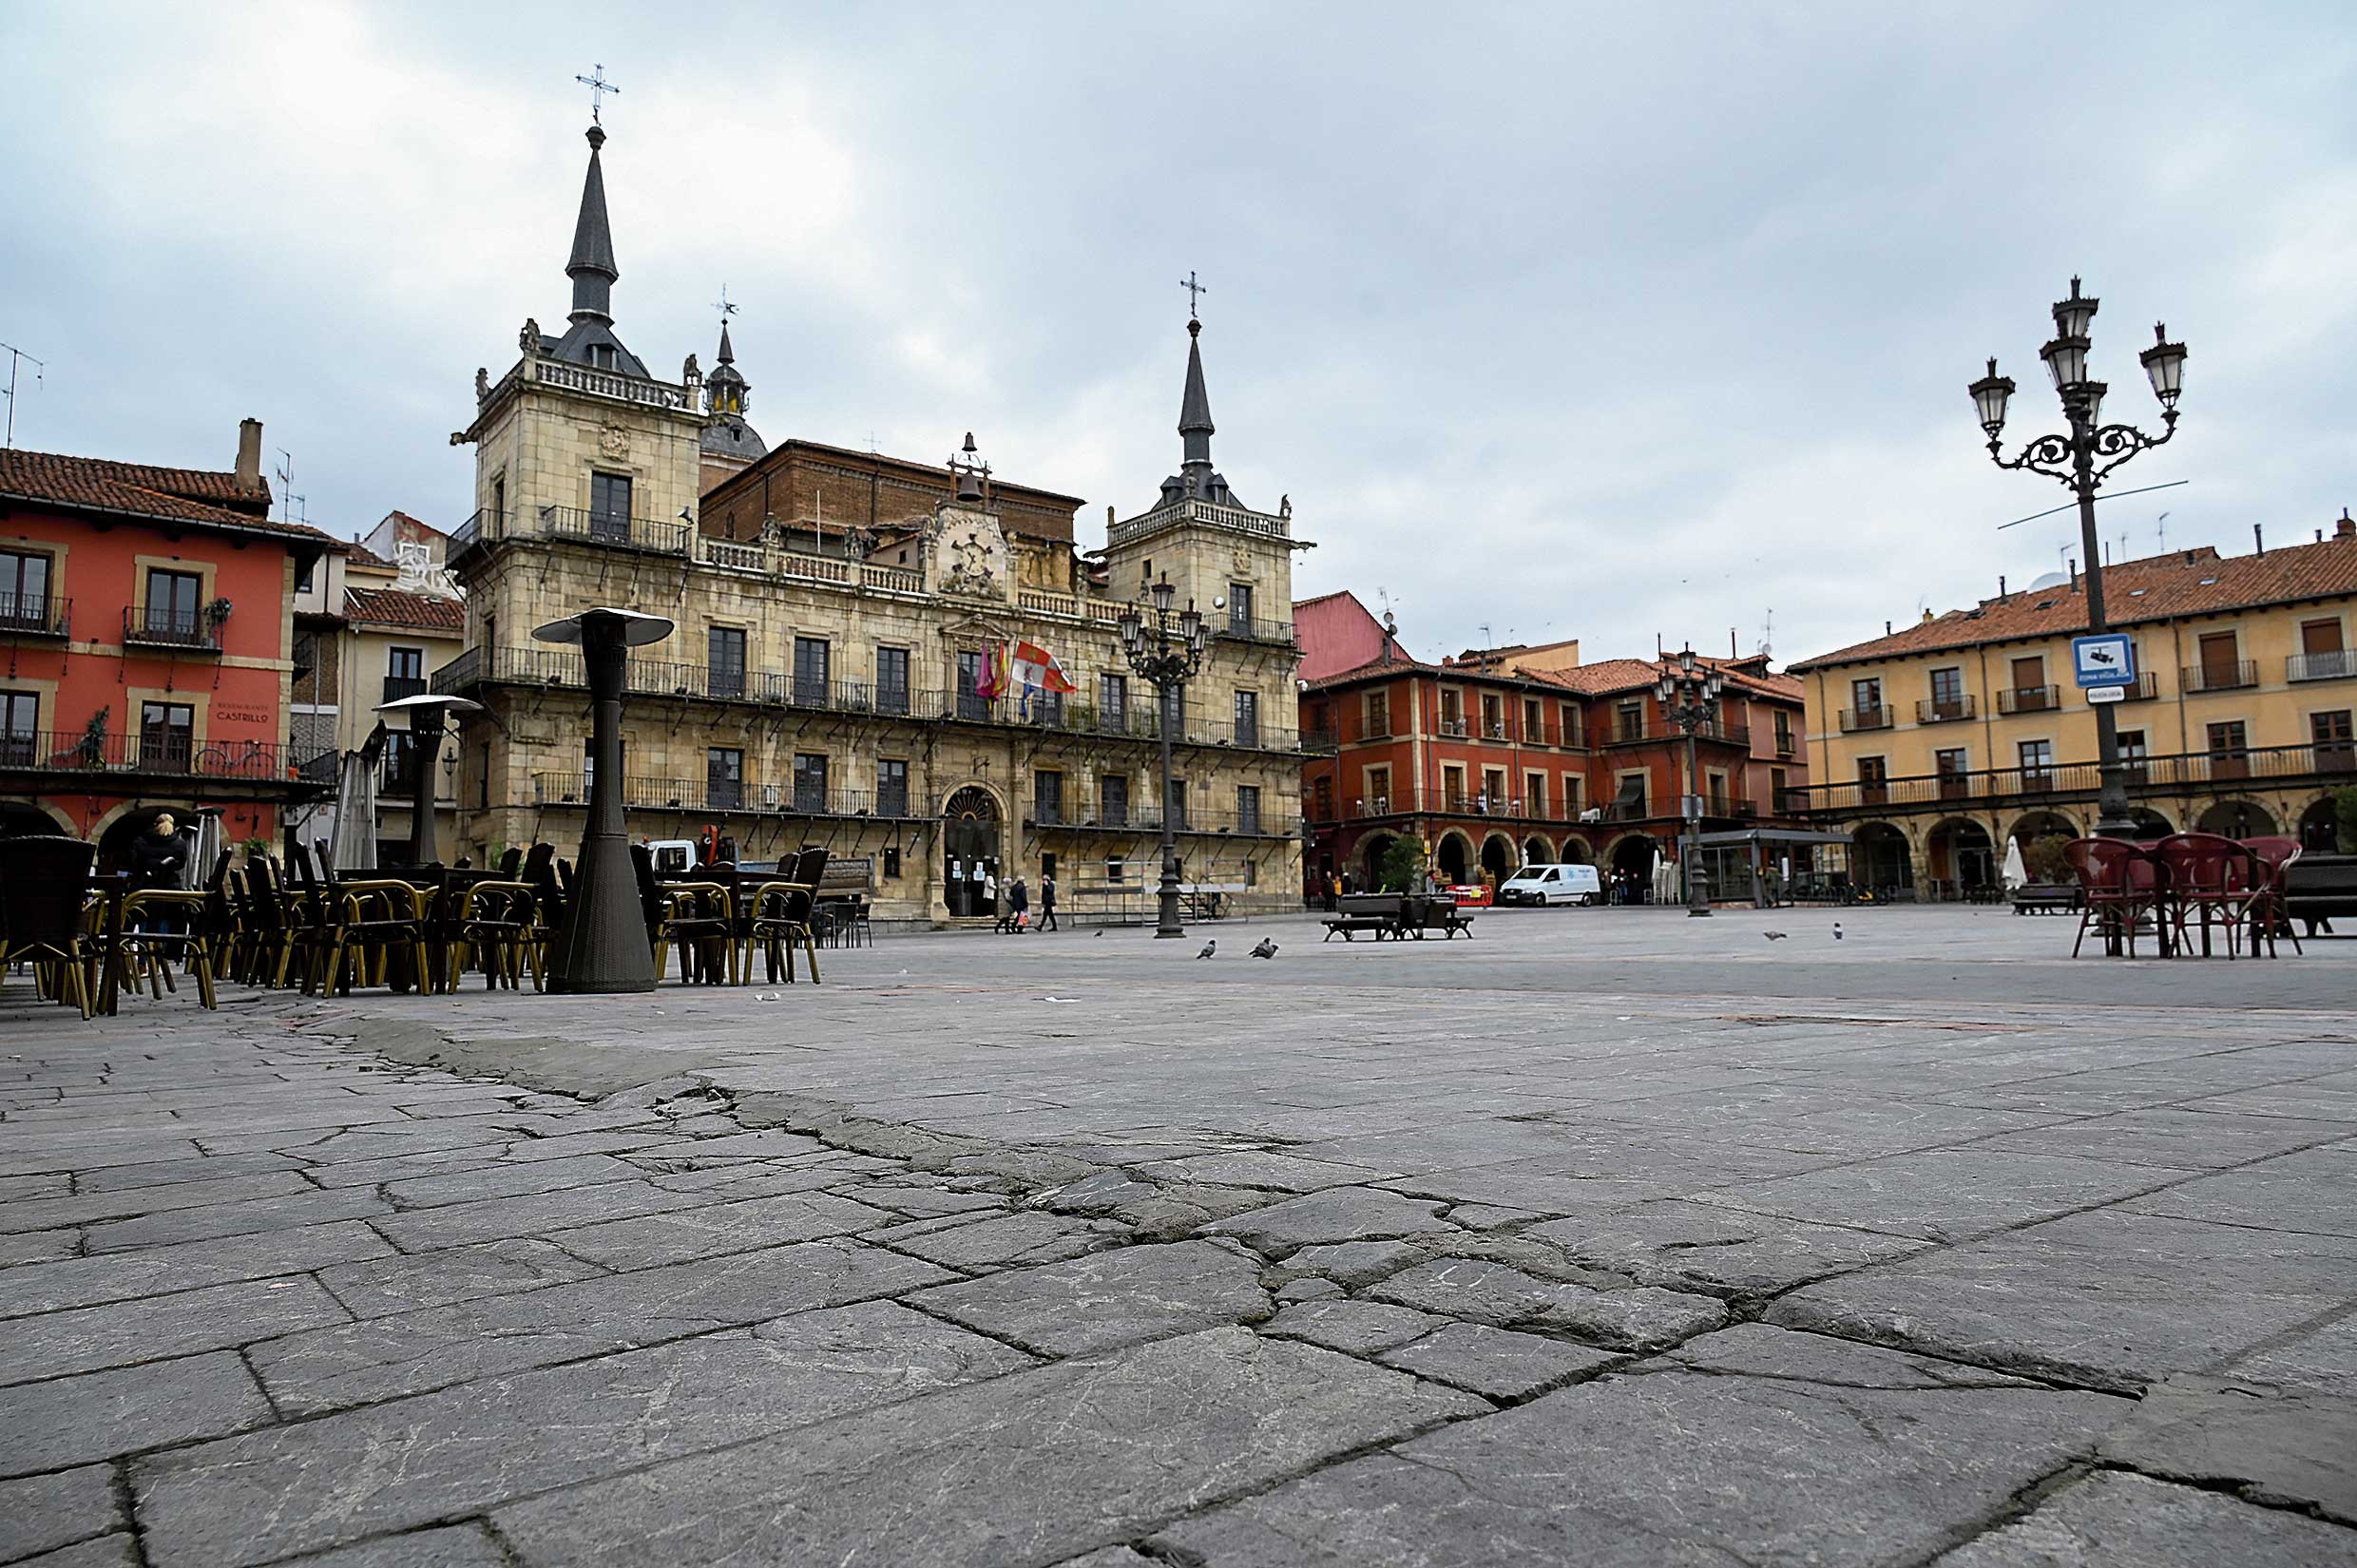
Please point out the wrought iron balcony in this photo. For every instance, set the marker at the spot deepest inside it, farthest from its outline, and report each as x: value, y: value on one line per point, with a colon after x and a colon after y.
x: 2184, y: 773
x: 399, y: 686
x: 62, y: 751
x: 573, y: 523
x: 2029, y: 699
x: 1245, y: 628
x: 1864, y: 718
x: 155, y: 627
x: 642, y: 793
x: 2337, y: 665
x: 1931, y: 710
x: 2220, y: 676
x: 35, y: 615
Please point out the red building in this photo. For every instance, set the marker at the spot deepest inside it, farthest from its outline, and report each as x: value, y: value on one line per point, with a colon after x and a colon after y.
x: 1501, y: 757
x: 145, y: 645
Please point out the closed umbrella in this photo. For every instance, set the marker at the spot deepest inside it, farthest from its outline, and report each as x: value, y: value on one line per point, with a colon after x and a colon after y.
x: 2017, y: 875
x: 354, y: 848
x: 208, y: 848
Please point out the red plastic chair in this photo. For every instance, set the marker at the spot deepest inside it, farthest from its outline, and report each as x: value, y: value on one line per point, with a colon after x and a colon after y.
x: 2271, y: 859
x: 2210, y: 880
x: 2121, y: 886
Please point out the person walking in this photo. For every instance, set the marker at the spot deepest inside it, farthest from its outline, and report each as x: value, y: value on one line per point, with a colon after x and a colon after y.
x: 1018, y: 904
x: 1048, y: 903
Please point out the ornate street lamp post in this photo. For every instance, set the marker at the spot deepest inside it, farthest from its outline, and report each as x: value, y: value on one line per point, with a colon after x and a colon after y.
x: 2081, y: 460
x: 1166, y: 662
x: 1689, y: 695
x: 602, y: 944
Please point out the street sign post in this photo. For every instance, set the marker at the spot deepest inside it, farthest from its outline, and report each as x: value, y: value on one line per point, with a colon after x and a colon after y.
x: 2106, y: 694
x: 2106, y: 658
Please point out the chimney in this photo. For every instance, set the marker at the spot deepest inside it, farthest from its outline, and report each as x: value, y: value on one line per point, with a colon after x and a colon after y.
x: 2258, y: 540
x: 249, y: 455
x: 2345, y: 529
x: 2074, y: 565
x: 2001, y: 588
x: 1885, y: 628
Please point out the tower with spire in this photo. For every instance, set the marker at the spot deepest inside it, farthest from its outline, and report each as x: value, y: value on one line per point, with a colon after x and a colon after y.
x: 729, y: 445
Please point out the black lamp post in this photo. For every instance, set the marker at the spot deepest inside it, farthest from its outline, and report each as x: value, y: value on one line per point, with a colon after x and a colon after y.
x: 2081, y: 460
x: 603, y: 946
x: 1166, y: 662
x: 1689, y: 693
x: 426, y: 711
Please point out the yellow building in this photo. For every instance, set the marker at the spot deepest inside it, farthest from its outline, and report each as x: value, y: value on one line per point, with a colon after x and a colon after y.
x: 838, y: 615
x: 1936, y: 743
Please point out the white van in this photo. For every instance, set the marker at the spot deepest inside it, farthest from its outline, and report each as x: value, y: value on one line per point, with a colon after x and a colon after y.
x: 1552, y: 885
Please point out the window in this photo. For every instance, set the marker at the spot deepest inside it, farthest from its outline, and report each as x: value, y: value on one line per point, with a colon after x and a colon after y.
x: 2132, y: 754
x: 1452, y: 711
x: 1379, y: 790
x: 724, y: 779
x: 2219, y: 668
x: 2321, y: 656
x: 1322, y: 800
x: 20, y: 728
x: 2336, y: 744
x: 1173, y: 703
x: 1240, y: 606
x: 1951, y: 766
x: 24, y: 588
x: 1534, y: 721
x: 1252, y: 874
x: 2229, y: 750
x: 1452, y: 788
x: 172, y: 603
x: 398, y: 775
x: 2031, y: 693
x: 1248, y: 808
x: 499, y: 504
x: 1574, y: 725
x: 1047, y: 796
x: 1715, y: 787
x: 306, y: 573
x: 892, y: 862
x: 1493, y: 716
x: 1784, y: 733
x: 810, y: 671
x: 1378, y: 714
x: 2036, y: 759
x: 891, y: 787
x: 1248, y: 718
x: 1534, y: 794
x: 891, y: 681
x: 724, y: 652
x: 971, y: 704
x: 1113, y: 701
x: 1113, y: 800
x: 1177, y: 803
x: 1117, y: 871
x: 588, y: 765
x: 167, y: 736
x: 810, y: 782
x: 602, y: 356
x: 1493, y: 789
x: 1628, y: 720
x: 1948, y: 692
x: 1873, y: 780
x: 405, y: 673
x: 1866, y: 701
x: 1047, y: 866
x: 1776, y: 806
x: 609, y: 505
x: 1575, y: 792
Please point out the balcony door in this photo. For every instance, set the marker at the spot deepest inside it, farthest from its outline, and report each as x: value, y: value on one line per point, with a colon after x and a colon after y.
x: 20, y: 728
x: 2218, y: 664
x: 166, y: 736
x: 172, y: 604
x: 24, y: 589
x: 2336, y: 749
x: 609, y: 507
x: 1873, y: 781
x: 2229, y: 750
x: 2029, y: 684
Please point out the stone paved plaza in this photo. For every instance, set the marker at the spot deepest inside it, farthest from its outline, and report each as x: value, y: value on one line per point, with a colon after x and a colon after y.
x: 1608, y: 1237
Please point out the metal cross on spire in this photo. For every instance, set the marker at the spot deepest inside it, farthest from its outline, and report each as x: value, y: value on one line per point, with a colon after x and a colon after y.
x: 599, y: 87
x: 1193, y: 289
x: 723, y: 304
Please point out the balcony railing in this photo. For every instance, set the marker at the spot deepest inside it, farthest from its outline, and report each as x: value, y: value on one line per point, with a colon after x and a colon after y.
x: 1655, y: 730
x: 1451, y: 728
x: 71, y: 752
x: 35, y: 615
x: 2220, y: 677
x: 1192, y: 510
x: 2028, y: 700
x: 2337, y: 665
x: 399, y: 686
x: 576, y: 524
x: 2142, y: 689
x: 1144, y: 818
x: 1942, y: 710
x: 155, y: 627
x: 1246, y: 628
x: 656, y: 793
x: 1864, y: 718
x: 2183, y: 773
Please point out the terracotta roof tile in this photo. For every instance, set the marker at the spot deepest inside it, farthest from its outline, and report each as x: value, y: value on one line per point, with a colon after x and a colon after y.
x: 415, y: 611
x: 2155, y: 588
x: 195, y: 496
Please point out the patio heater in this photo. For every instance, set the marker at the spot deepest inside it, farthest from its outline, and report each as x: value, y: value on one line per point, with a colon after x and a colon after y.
x: 603, y: 946
x: 426, y: 711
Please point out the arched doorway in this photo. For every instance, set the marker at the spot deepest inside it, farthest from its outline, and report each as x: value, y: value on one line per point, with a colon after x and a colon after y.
x: 2238, y: 819
x: 1632, y: 868
x: 1960, y: 857
x: 1498, y: 857
x: 1538, y: 852
x: 2149, y: 823
x: 1880, y: 860
x: 1371, y: 851
x: 1452, y: 856
x: 2038, y: 825
x: 20, y: 818
x: 969, y: 840
x: 1576, y: 853
x: 2320, y: 832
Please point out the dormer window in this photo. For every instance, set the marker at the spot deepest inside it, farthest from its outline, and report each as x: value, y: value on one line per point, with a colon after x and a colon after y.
x: 602, y: 356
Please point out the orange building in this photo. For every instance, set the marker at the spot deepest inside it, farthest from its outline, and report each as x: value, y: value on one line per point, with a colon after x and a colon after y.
x: 147, y: 641
x: 1501, y: 757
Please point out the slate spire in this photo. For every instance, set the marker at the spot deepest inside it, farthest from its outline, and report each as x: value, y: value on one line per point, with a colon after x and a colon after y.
x: 1195, y: 426
x: 592, y: 268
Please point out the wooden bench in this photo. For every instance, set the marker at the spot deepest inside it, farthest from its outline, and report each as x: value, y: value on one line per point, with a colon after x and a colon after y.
x: 2045, y: 898
x: 1436, y: 915
x: 1376, y: 912
x: 2320, y: 887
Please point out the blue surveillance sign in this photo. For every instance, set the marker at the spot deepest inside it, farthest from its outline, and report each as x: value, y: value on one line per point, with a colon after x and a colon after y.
x: 2107, y: 658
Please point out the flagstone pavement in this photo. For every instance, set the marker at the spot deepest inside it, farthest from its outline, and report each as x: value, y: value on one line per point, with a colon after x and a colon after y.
x: 1607, y: 1237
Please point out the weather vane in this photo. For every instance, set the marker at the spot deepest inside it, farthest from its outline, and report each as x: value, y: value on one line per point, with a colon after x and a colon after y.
x: 723, y: 304
x: 1193, y: 289
x: 599, y: 87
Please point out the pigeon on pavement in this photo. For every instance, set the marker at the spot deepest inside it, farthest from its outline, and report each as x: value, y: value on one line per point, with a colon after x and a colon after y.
x: 1774, y: 936
x: 1209, y: 948
x: 1266, y: 949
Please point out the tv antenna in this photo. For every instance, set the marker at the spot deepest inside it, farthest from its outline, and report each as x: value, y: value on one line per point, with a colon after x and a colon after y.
x: 2161, y: 527
x: 15, y: 355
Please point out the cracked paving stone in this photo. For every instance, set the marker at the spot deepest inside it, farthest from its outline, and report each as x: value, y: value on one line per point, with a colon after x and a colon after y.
x: 1309, y: 1288
x: 2286, y: 1449
x: 2313, y: 1191
x: 381, y: 1358
x: 1945, y: 1195
x: 1754, y: 1350
x: 1096, y: 1195
x: 232, y: 1220
x: 1638, y: 1318
x: 1108, y: 1299
x: 716, y: 1228
x: 88, y: 1339
x: 38, y: 1246
x: 1357, y: 1263
x: 460, y: 1546
x: 1030, y: 1467
x: 2114, y: 1298
x: 2324, y: 1361
x: 1335, y: 1214
x: 507, y: 1179
x: 1497, y: 1362
x: 386, y: 1285
x: 92, y: 1207
x: 41, y: 1513
x: 1012, y: 1241
x: 1282, y: 1172
x: 301, y: 1488
x: 531, y: 1214
x: 2114, y: 1521
x: 95, y: 1415
x: 924, y: 1202
x: 1670, y: 1468
x: 125, y: 1277
x: 1356, y: 1328
x: 1111, y: 1556
x: 1682, y: 1245
x: 115, y: 1551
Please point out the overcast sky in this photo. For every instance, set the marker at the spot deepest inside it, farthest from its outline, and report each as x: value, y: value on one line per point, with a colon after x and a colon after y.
x: 1606, y: 321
